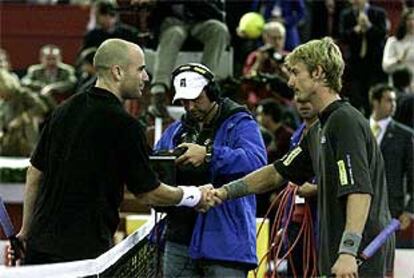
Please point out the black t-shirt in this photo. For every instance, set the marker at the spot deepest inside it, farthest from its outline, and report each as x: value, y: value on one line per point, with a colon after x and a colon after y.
x: 346, y: 159
x: 89, y: 149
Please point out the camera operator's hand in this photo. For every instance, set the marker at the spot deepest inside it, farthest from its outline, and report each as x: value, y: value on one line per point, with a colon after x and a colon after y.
x: 194, y: 155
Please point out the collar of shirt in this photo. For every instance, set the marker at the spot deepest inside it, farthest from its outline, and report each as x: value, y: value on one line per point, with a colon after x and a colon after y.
x: 383, y: 124
x: 99, y: 92
x: 324, y: 115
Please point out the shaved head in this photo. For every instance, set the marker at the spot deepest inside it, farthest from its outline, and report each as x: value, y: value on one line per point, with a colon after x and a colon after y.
x: 113, y: 52
x: 120, y: 67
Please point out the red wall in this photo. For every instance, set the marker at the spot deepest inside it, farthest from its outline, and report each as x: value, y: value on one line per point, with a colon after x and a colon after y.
x: 25, y: 28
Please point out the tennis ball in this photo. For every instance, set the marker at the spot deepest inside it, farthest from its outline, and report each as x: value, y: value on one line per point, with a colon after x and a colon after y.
x: 251, y: 25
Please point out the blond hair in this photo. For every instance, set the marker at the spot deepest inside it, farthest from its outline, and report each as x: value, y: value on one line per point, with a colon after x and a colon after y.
x: 324, y: 53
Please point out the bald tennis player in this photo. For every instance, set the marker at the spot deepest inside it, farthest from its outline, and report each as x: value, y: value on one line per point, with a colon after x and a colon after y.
x: 89, y: 149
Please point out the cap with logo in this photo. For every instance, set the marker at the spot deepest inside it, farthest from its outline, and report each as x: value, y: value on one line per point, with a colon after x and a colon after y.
x: 189, y: 85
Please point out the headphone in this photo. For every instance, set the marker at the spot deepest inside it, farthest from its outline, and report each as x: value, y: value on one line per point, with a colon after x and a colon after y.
x: 212, y: 88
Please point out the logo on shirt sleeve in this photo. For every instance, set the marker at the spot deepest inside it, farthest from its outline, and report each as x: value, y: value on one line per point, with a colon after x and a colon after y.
x: 291, y: 156
x: 343, y: 178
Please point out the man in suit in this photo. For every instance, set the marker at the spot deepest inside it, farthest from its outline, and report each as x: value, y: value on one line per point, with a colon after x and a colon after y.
x: 362, y: 29
x: 397, y: 146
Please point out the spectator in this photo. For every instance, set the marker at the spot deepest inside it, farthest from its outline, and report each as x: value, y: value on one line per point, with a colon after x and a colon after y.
x: 269, y: 58
x: 306, y: 194
x: 177, y: 20
x: 19, y: 114
x: 362, y: 28
x: 222, y: 142
x: 5, y: 63
x: 402, y: 78
x: 399, y: 49
x: 264, y: 73
x: 85, y: 70
x: 270, y: 115
x: 108, y: 26
x: 324, y: 16
x: 397, y: 146
x: 51, y: 74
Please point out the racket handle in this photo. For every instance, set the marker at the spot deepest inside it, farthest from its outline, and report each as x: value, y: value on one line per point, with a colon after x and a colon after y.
x: 380, y: 239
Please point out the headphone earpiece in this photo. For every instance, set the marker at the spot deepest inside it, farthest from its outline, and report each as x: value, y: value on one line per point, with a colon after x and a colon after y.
x: 213, y: 91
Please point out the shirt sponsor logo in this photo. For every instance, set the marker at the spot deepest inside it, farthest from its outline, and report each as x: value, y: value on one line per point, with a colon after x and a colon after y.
x: 291, y: 156
x: 343, y: 179
x: 349, y: 165
x: 323, y: 139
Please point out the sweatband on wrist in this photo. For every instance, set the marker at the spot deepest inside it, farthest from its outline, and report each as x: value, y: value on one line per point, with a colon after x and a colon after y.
x: 350, y: 243
x: 236, y: 189
x: 191, y: 196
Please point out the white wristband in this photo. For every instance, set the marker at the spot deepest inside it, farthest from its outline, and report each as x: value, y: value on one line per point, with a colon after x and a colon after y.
x: 191, y: 196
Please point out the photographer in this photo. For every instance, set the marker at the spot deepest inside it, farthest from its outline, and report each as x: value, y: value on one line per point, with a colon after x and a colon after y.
x: 223, y: 143
x: 270, y: 57
x: 264, y: 74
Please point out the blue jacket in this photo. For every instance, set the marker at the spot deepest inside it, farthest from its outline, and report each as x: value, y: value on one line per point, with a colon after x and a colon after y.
x: 228, y: 232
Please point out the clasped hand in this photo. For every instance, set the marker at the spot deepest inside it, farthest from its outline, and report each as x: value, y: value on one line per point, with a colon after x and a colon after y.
x: 211, y: 197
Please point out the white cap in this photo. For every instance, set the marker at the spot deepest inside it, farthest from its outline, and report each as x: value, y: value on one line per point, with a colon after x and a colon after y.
x: 188, y: 85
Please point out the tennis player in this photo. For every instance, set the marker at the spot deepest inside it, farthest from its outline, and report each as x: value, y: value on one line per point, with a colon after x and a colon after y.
x: 343, y: 154
x: 89, y: 149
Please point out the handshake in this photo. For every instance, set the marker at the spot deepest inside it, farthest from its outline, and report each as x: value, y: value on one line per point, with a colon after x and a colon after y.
x: 210, y: 197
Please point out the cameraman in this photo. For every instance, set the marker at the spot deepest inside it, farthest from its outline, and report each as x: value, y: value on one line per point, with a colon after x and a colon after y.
x: 268, y: 58
x: 223, y: 143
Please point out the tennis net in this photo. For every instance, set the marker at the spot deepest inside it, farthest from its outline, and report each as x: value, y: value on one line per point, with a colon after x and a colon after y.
x: 136, y: 256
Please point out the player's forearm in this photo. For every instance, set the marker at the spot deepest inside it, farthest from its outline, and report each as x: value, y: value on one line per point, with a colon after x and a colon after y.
x: 357, y: 209
x: 33, y: 178
x: 264, y: 180
x: 164, y: 195
x: 259, y: 181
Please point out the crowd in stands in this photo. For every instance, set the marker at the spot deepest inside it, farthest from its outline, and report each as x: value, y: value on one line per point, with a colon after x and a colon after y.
x: 376, y: 54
